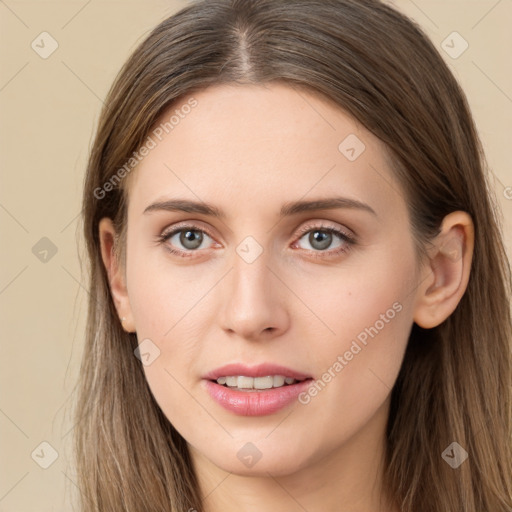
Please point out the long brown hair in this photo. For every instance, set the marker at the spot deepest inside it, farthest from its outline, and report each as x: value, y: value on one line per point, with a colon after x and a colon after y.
x: 455, y: 384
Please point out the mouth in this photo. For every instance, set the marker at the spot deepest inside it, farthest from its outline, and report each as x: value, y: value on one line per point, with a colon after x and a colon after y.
x: 255, y: 391
x: 245, y: 383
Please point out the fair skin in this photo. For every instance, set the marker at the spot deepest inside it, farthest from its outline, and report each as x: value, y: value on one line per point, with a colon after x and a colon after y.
x: 248, y: 150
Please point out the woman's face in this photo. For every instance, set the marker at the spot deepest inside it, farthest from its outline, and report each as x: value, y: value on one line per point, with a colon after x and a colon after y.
x: 266, y: 231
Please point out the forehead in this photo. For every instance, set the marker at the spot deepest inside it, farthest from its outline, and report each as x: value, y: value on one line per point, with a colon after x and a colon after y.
x: 261, y: 146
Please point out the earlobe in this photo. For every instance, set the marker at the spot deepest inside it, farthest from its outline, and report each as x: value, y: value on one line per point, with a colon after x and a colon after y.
x: 116, y: 278
x: 446, y: 274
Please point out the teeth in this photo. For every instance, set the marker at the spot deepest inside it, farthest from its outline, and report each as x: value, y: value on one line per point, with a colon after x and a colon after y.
x: 231, y: 381
x: 279, y: 380
x: 243, y: 382
x: 264, y: 382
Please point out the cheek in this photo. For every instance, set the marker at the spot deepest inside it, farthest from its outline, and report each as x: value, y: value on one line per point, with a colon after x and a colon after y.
x: 360, y: 302
x: 169, y: 305
x: 366, y: 319
x: 359, y: 375
x: 164, y: 296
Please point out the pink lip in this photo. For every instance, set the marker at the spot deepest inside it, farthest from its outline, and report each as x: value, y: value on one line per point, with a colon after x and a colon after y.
x: 260, y: 370
x: 255, y: 403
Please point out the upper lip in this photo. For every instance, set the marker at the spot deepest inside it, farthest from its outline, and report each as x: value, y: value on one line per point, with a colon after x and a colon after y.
x: 260, y: 370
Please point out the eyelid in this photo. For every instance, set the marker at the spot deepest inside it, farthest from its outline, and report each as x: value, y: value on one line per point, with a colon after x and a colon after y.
x: 310, y: 225
x: 184, y: 225
x: 323, y: 225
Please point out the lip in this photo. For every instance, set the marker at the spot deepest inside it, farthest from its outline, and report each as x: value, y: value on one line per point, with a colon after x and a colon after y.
x: 255, y: 403
x: 260, y: 370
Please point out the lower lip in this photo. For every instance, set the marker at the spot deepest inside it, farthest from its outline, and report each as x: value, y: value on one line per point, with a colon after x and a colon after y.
x: 255, y: 403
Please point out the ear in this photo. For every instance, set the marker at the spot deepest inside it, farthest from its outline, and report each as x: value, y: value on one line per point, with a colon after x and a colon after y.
x: 446, y: 274
x: 115, y: 272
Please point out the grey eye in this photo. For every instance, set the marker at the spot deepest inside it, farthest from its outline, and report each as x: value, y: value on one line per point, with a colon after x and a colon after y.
x: 320, y: 240
x: 191, y: 239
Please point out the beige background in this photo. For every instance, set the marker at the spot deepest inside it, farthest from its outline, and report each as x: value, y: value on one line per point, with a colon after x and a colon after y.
x: 49, y: 108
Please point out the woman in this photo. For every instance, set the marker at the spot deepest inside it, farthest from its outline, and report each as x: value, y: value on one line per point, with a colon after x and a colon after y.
x: 299, y: 292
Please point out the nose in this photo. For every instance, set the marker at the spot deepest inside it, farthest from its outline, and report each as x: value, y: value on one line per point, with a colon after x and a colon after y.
x: 253, y: 305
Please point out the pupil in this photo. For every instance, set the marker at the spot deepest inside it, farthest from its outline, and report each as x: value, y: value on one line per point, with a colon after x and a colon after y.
x: 320, y: 239
x: 191, y: 239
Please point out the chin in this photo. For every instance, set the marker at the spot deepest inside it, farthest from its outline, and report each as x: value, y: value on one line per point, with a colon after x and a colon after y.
x: 257, y: 460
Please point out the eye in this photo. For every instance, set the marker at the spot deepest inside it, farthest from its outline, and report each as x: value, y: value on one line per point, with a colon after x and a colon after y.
x: 326, y: 240
x: 190, y: 238
x: 184, y: 240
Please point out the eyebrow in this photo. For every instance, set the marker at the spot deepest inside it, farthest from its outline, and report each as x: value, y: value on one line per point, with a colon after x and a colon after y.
x: 288, y: 209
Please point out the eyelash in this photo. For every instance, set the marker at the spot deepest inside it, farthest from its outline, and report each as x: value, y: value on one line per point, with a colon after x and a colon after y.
x: 347, y: 239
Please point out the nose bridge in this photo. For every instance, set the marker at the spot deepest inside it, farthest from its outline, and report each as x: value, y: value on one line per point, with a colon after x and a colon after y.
x: 253, y: 303
x: 251, y: 279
